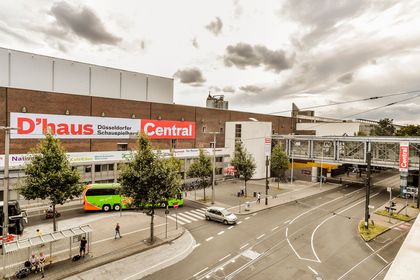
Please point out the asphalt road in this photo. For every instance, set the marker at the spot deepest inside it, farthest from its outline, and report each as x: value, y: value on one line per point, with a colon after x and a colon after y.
x: 315, y: 238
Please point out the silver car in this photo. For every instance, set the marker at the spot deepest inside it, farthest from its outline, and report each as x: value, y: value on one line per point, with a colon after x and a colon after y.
x: 220, y: 214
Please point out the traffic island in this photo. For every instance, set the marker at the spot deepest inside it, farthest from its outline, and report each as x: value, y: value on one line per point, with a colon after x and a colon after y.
x: 372, y: 231
x: 397, y: 216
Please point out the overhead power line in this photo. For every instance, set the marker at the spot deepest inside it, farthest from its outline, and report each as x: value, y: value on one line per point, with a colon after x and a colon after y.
x: 351, y: 101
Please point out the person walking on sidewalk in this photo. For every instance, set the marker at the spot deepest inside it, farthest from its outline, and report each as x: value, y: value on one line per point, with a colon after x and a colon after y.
x: 83, y: 243
x: 117, y: 231
x: 258, y: 197
x: 41, y: 261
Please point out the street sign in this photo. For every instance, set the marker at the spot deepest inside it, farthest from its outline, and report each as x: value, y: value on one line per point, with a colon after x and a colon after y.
x: 389, y: 189
x: 267, y: 145
x: 404, y: 154
x: 371, y: 206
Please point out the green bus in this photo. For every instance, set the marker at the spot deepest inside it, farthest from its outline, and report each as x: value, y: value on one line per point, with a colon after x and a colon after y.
x: 105, y: 197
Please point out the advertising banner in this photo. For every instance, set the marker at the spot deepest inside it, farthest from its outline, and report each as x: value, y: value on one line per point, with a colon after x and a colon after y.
x: 404, y: 154
x: 34, y: 126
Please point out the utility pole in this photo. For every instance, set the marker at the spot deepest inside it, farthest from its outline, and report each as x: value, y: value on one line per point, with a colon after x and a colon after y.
x: 214, y: 166
x: 291, y: 172
x: 368, y: 159
x: 267, y: 163
x: 322, y: 159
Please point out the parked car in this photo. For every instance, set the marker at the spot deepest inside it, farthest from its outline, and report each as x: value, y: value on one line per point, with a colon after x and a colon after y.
x: 220, y: 214
x: 412, y: 191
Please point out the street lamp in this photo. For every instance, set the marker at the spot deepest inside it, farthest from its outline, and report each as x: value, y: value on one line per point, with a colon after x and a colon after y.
x: 297, y: 144
x: 214, y: 166
x: 6, y: 183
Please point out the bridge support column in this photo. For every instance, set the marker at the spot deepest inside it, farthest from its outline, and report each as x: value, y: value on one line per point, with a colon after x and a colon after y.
x: 403, y: 181
x: 314, y: 173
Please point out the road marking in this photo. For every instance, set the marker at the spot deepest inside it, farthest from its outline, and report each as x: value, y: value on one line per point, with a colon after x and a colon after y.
x: 199, y: 214
x: 243, y: 246
x: 247, y: 218
x: 200, y: 217
x: 313, y: 270
x: 227, y: 256
x: 254, y: 214
x: 199, y: 210
x: 286, y: 221
x: 369, y: 247
x: 385, y: 261
x: 196, y: 245
x: 240, y: 222
x: 173, y: 219
x: 210, y: 238
x: 181, y: 218
x: 325, y: 220
x: 201, y: 271
x: 273, y: 229
x: 261, y: 236
x: 187, y: 217
x: 221, y: 232
x: 231, y: 227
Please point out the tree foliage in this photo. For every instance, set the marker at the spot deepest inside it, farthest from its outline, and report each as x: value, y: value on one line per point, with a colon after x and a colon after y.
x: 409, y: 130
x: 279, y: 161
x: 201, y: 168
x: 50, y: 176
x: 385, y: 127
x: 149, y: 180
x: 244, y: 163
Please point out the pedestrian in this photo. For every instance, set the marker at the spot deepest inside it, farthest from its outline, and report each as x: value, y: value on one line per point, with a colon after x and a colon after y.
x: 39, y: 234
x: 83, y: 243
x: 41, y: 262
x: 258, y: 197
x: 117, y: 231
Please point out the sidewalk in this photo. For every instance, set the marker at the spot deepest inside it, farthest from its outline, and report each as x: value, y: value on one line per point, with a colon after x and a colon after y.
x: 226, y: 194
x: 104, y: 249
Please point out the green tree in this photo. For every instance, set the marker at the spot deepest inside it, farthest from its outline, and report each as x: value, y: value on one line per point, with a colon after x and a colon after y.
x: 244, y: 163
x: 409, y: 130
x: 149, y: 180
x: 279, y: 161
x: 50, y: 176
x: 385, y: 127
x: 202, y: 169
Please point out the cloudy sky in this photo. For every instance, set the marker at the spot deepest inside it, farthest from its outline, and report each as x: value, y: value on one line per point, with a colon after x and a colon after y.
x: 262, y: 55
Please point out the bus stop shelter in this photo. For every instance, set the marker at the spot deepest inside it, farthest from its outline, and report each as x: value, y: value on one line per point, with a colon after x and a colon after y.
x: 56, y: 246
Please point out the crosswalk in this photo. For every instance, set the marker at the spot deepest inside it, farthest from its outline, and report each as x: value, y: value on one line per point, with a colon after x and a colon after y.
x: 188, y: 217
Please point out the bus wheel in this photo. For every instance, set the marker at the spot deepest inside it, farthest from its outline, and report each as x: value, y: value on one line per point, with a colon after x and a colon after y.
x: 163, y: 204
x: 117, y: 207
x: 106, y: 208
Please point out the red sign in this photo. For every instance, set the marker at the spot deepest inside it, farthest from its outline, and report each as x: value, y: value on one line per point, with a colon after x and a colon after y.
x: 404, y: 153
x: 175, y: 205
x: 230, y: 169
x: 158, y: 129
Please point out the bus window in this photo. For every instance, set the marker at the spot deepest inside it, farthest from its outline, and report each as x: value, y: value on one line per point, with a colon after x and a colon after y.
x: 98, y: 192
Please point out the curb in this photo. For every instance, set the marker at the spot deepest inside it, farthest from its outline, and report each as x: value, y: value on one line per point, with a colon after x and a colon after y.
x: 115, y: 257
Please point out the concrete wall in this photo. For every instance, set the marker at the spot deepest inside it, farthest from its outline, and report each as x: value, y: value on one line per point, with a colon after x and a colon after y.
x: 253, y: 135
x: 31, y: 71
x: 330, y: 129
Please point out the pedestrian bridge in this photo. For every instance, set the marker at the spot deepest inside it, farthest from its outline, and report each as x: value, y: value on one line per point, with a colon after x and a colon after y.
x: 350, y: 150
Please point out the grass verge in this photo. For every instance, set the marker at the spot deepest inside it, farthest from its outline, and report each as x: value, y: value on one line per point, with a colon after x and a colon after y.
x: 372, y: 231
x: 400, y: 217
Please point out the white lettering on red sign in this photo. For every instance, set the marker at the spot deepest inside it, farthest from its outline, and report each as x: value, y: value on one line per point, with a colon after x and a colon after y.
x: 404, y: 154
x: 168, y: 129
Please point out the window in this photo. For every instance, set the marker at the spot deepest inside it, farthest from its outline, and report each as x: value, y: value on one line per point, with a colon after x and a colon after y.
x: 88, y: 168
x: 219, y: 159
x: 238, y: 130
x: 97, y: 192
x: 122, y: 147
x: 104, y: 167
x: 111, y: 167
x: 204, y: 129
x: 173, y: 143
x: 97, y: 168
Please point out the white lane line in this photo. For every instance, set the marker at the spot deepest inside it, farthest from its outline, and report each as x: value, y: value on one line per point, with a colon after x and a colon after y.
x: 385, y: 261
x: 187, y: 217
x: 227, y: 256
x: 173, y: 219
x: 243, y: 246
x: 220, y: 233
x: 286, y: 221
x: 273, y: 229
x: 231, y: 227
x: 254, y: 214
x: 240, y: 222
x: 247, y: 218
x: 296, y: 253
x: 261, y: 236
x: 181, y: 218
x: 201, y: 271
x: 204, y: 208
x: 327, y: 219
x: 199, y: 214
x: 199, y: 210
x: 370, y: 247
x: 313, y: 270
x: 196, y: 245
x: 210, y: 238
